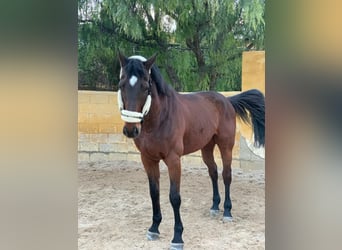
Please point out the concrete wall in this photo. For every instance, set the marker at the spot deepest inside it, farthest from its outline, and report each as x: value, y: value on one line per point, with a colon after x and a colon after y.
x: 253, y: 70
x: 100, y: 135
x: 253, y: 77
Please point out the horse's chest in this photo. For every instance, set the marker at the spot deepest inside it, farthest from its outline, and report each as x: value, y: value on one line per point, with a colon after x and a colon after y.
x: 153, y: 147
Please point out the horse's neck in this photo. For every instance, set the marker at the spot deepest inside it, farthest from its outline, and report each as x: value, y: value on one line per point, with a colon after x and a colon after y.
x: 161, y: 107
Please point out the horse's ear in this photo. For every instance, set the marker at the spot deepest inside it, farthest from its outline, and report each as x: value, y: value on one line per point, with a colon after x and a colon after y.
x: 122, y: 58
x: 148, y: 64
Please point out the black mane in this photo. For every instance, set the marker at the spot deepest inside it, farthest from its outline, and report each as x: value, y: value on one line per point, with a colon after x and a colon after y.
x: 135, y: 67
x: 162, y: 87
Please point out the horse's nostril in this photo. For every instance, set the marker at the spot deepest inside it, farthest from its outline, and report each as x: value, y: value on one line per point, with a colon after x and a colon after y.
x: 131, y: 132
x: 125, y: 131
x: 135, y: 131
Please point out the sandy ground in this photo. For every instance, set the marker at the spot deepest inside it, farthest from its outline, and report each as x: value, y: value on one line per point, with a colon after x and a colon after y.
x: 115, y: 209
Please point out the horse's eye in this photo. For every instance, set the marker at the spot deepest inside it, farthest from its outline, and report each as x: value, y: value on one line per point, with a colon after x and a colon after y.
x: 144, y: 88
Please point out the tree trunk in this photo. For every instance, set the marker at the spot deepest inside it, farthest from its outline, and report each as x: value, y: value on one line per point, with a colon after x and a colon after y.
x: 174, y: 78
x: 212, y: 80
x: 194, y: 45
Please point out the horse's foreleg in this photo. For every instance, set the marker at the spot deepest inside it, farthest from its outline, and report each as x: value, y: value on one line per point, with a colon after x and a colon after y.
x: 226, y: 153
x: 153, y: 173
x: 174, y: 168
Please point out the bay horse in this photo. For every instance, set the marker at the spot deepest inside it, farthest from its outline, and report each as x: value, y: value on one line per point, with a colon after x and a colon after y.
x: 166, y: 125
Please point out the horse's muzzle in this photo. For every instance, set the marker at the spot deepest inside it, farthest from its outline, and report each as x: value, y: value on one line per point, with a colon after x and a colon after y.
x: 131, y: 130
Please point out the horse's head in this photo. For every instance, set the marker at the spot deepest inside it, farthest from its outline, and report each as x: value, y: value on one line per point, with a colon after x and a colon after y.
x: 134, y: 94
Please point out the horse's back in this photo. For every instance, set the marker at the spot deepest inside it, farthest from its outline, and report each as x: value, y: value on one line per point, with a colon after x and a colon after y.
x: 208, y: 104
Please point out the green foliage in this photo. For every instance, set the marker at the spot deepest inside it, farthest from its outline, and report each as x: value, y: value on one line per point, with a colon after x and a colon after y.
x: 201, y: 51
x: 254, y: 16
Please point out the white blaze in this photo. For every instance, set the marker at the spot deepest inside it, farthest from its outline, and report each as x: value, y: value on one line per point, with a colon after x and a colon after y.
x: 133, y: 80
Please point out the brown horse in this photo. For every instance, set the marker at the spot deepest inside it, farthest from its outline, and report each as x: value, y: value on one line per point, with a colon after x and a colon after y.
x: 166, y: 125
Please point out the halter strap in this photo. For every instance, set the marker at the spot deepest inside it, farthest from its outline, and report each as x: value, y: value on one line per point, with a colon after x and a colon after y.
x: 133, y: 116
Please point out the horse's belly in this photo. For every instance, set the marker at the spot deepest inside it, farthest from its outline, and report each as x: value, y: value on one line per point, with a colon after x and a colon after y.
x: 189, y: 150
x: 196, y: 141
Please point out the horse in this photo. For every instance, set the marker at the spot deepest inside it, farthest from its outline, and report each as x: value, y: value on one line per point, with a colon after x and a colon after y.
x: 166, y: 125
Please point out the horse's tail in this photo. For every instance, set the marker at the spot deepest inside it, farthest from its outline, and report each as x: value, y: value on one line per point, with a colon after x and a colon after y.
x: 252, y: 101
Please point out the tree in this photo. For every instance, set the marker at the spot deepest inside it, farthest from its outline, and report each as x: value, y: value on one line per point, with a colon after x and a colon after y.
x: 199, y: 43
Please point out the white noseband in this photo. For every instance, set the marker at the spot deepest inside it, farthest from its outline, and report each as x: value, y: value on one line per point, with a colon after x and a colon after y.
x: 133, y: 116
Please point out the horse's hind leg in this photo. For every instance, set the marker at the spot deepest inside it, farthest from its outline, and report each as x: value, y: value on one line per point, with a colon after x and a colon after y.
x: 208, y: 158
x: 226, y: 154
x: 153, y: 173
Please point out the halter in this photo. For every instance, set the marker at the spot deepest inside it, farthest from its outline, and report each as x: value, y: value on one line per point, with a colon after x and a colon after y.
x: 133, y: 116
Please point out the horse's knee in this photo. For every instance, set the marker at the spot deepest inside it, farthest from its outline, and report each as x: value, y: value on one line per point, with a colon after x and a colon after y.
x: 175, y: 200
x: 174, y: 196
x: 227, y: 175
x: 154, y: 190
x: 213, y: 173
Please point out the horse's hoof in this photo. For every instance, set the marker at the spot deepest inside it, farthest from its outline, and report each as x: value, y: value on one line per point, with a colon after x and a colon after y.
x: 227, y: 219
x: 214, y: 213
x: 176, y: 246
x: 152, y: 236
